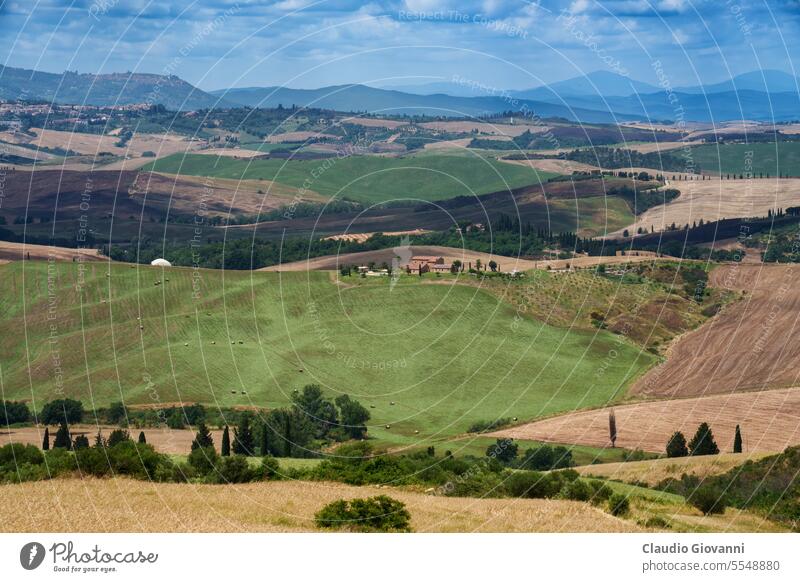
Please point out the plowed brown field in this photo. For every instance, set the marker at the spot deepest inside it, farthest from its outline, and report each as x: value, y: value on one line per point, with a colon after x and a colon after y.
x: 770, y: 421
x: 751, y: 345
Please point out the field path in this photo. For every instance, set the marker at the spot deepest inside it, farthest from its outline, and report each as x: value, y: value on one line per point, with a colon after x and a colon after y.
x: 770, y: 421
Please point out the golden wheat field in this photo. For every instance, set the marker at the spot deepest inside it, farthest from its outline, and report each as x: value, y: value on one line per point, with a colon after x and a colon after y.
x: 125, y: 505
x: 654, y: 471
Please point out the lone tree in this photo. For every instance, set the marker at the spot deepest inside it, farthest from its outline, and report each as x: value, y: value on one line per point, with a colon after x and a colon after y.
x: 612, y: 427
x: 676, y: 446
x: 702, y: 442
x: 226, y: 442
x: 203, y: 438
x: 737, y: 440
x: 243, y: 441
x: 142, y: 439
x: 46, y: 440
x: 62, y: 440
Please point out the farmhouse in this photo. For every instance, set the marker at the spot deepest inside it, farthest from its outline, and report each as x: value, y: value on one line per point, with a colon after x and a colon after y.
x: 422, y: 264
x: 441, y: 267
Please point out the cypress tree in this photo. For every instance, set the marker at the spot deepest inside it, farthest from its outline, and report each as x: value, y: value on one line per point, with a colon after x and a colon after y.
x: 676, y: 446
x: 287, y: 436
x: 62, y: 440
x: 243, y: 441
x: 612, y: 428
x: 203, y: 439
x: 142, y: 439
x: 702, y: 442
x: 98, y: 440
x: 46, y: 440
x: 737, y: 440
x: 226, y: 443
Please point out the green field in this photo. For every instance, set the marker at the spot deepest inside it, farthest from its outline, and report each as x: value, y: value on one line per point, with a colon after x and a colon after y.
x: 773, y: 159
x: 367, y: 179
x: 446, y: 356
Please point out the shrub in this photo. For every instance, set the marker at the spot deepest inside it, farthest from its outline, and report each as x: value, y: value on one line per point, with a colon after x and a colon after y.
x: 14, y: 413
x: 619, y: 504
x: 708, y: 499
x: 270, y: 469
x: 14, y: 454
x: 578, y: 490
x: 489, y: 425
x: 374, y: 514
x: 139, y: 461
x: 203, y: 460
x: 81, y: 442
x: 117, y: 436
x: 234, y: 469
x: 546, y: 458
x: 62, y: 410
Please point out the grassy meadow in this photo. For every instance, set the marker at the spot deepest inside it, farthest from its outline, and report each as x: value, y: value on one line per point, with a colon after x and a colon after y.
x: 758, y: 158
x: 367, y: 179
x: 432, y: 358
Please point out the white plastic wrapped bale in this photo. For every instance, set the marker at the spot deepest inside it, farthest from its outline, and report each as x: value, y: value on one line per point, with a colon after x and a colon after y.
x: 160, y: 263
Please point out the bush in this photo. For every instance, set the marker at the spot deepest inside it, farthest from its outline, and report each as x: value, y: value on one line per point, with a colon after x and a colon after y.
x: 504, y: 450
x: 117, y: 436
x: 135, y: 460
x: 374, y: 514
x: 62, y: 410
x: 234, y: 469
x: 708, y: 499
x: 203, y: 460
x: 489, y: 425
x: 619, y: 504
x: 14, y: 454
x: 270, y: 469
x: 546, y: 458
x: 14, y: 413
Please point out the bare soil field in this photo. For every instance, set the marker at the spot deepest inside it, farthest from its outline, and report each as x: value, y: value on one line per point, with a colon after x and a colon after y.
x: 556, y: 165
x: 124, y: 505
x: 450, y: 254
x: 503, y: 129
x: 164, y: 440
x: 298, y: 136
x: 93, y: 144
x: 769, y: 420
x: 654, y: 471
x: 236, y: 153
x: 715, y: 199
x: 12, y: 251
x: 364, y: 236
x: 221, y: 195
x: 369, y: 122
x: 749, y: 345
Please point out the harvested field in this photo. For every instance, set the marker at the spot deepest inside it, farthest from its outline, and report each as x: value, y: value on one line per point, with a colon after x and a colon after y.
x: 364, y: 236
x: 555, y: 165
x: 770, y: 422
x: 369, y: 122
x: 164, y: 440
x: 236, y: 153
x: 124, y: 505
x: 93, y: 144
x: 483, y: 128
x: 714, y: 199
x: 332, y: 262
x: 298, y: 136
x: 663, y: 146
x: 12, y: 251
x: 750, y: 345
x: 222, y: 195
x: 654, y: 471
x: 453, y: 144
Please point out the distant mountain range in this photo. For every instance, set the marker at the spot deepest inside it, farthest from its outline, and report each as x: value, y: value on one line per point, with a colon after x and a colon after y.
x: 108, y: 89
x: 594, y: 98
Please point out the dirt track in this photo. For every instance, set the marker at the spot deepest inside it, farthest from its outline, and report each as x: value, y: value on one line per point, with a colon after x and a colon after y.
x: 770, y: 421
x: 750, y: 345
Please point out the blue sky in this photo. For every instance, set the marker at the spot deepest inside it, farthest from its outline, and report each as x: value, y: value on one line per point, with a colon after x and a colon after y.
x: 499, y: 43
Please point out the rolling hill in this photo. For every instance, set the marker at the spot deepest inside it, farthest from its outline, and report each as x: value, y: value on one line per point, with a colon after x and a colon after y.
x: 71, y: 87
x: 425, y: 357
